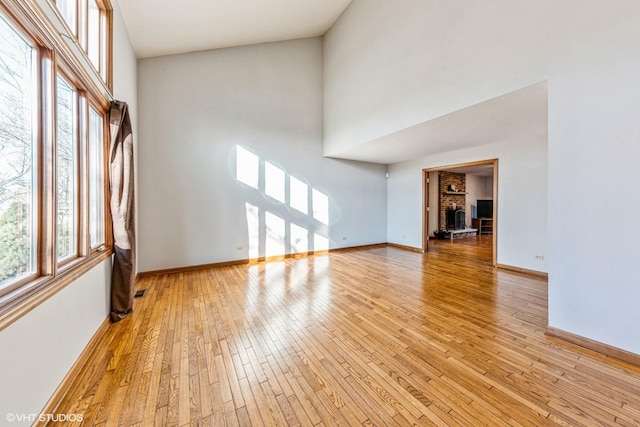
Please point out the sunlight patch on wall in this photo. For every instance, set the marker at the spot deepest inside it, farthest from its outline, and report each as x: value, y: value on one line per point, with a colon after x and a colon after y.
x: 320, y: 243
x: 299, y: 239
x: 320, y: 203
x: 253, y: 230
x: 285, y: 214
x: 247, y: 167
x: 299, y: 195
x: 274, y: 182
x: 275, y: 235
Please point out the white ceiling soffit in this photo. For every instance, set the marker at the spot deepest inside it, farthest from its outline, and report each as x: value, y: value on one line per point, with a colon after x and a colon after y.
x: 518, y: 116
x: 163, y: 27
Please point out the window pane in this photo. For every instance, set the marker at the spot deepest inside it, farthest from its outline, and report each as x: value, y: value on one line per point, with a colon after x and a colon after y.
x: 17, y: 153
x: 68, y: 10
x: 93, y: 42
x: 96, y: 179
x: 66, y: 169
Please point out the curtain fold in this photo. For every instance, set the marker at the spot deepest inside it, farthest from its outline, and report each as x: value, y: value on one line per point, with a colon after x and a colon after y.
x: 122, y: 211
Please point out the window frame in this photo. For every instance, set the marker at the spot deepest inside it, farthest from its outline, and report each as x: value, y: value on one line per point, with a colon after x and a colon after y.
x: 36, y: 155
x: 95, y: 105
x: 55, y: 57
x: 78, y: 142
x: 80, y: 34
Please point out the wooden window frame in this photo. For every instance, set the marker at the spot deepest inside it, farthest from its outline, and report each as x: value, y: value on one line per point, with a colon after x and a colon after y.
x: 78, y: 181
x: 93, y: 103
x: 80, y: 35
x: 55, y: 56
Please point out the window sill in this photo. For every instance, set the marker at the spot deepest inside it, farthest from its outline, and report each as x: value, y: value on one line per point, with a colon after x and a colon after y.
x: 21, y: 301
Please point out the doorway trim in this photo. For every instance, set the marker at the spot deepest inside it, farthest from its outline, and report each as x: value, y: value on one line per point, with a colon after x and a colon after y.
x: 425, y: 201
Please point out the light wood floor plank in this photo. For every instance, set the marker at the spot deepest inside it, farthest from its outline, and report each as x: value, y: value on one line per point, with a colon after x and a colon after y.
x: 376, y: 336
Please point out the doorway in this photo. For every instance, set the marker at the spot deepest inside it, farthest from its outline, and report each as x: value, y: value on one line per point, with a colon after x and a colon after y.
x: 457, y: 196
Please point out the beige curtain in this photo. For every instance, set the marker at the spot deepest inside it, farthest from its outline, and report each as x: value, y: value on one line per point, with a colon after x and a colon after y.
x: 122, y: 211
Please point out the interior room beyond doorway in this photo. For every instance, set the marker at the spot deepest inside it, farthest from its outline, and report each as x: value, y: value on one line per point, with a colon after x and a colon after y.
x: 460, y: 203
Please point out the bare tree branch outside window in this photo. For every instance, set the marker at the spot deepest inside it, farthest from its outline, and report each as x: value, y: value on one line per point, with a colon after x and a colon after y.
x: 17, y: 207
x: 66, y: 171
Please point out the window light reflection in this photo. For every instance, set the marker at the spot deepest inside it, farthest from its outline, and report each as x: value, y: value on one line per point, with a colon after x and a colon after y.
x: 299, y: 195
x: 275, y: 235
x: 247, y: 167
x: 320, y: 243
x: 320, y: 206
x: 274, y: 182
x: 299, y: 239
x: 253, y: 230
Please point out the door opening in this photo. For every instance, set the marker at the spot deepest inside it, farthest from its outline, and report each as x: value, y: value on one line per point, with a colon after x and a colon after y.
x: 456, y: 191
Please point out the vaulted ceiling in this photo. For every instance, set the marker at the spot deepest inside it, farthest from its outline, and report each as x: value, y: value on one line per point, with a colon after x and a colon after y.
x: 163, y: 27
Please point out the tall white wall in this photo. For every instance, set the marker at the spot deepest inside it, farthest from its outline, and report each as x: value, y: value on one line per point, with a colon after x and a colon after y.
x: 390, y: 65
x: 195, y: 110
x: 521, y: 201
x: 40, y: 348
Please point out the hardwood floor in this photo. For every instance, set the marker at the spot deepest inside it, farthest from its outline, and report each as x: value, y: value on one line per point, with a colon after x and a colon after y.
x: 380, y: 336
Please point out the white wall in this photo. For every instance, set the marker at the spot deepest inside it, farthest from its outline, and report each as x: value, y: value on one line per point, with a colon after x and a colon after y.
x: 195, y: 109
x: 522, y: 199
x: 390, y: 65
x: 40, y: 348
x: 125, y: 88
x: 593, y: 123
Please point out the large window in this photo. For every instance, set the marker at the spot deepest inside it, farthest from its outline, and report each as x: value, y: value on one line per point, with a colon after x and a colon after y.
x: 86, y: 19
x: 18, y: 180
x: 53, y: 135
x: 96, y: 179
x: 94, y: 33
x: 69, y: 11
x: 66, y: 173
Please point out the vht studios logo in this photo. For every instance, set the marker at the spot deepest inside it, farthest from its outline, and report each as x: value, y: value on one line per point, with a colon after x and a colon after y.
x: 11, y: 417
